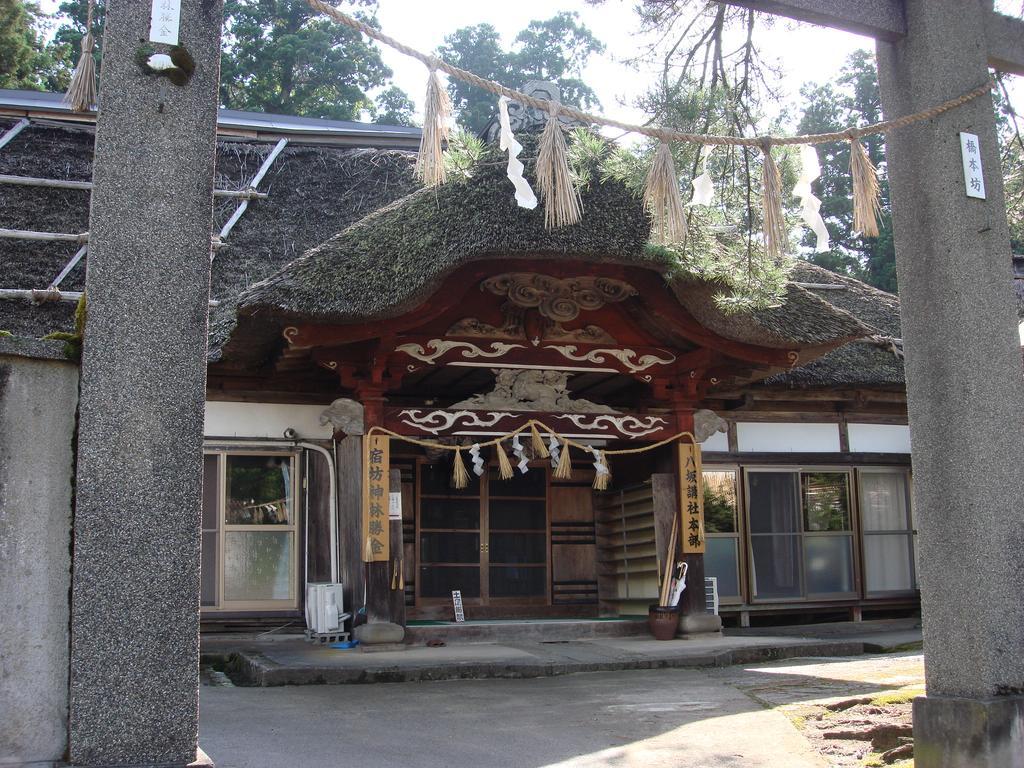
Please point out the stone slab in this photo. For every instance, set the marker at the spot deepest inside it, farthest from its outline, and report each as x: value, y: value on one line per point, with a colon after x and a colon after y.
x: 38, y: 398
x: 951, y: 732
x: 285, y: 661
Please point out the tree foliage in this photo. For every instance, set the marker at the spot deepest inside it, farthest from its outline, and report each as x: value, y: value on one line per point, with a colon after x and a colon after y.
x: 853, y: 100
x: 557, y: 50
x: 280, y: 56
x: 27, y: 61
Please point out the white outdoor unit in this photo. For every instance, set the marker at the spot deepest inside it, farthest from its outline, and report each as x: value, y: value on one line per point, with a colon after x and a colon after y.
x: 324, y: 607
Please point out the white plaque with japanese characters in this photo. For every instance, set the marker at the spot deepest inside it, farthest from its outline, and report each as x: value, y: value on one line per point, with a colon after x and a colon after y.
x: 164, y: 21
x: 974, y: 179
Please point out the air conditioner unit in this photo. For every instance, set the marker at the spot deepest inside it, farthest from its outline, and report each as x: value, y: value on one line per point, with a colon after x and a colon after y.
x: 324, y: 607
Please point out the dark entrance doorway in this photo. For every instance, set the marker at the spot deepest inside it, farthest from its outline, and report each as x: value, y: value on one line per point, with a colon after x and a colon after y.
x: 491, y: 540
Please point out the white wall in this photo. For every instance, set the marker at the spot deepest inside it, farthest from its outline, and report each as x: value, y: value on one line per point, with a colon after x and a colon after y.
x: 717, y: 442
x: 879, y: 438
x: 225, y: 419
x: 766, y: 437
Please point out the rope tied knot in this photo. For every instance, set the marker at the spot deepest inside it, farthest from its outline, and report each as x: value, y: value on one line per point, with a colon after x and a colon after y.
x: 433, y: 64
x: 853, y: 133
x: 766, y: 143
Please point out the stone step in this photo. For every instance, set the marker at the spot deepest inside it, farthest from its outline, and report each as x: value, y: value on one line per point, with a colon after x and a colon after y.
x: 524, y: 630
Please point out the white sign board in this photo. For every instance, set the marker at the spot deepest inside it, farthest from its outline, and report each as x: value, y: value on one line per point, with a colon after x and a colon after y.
x: 395, y: 505
x: 460, y: 615
x: 974, y: 179
x: 164, y: 21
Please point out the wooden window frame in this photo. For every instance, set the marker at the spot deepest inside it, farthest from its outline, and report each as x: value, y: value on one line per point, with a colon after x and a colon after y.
x: 910, y: 532
x: 739, y: 535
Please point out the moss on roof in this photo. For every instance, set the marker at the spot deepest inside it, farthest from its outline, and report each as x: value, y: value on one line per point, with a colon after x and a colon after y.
x: 393, y: 259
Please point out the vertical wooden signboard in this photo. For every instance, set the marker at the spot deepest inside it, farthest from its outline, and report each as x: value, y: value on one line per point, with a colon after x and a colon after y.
x: 376, y: 458
x: 691, y: 495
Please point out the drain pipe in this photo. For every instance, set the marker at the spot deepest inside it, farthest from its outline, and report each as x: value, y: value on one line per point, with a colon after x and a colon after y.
x: 331, y: 474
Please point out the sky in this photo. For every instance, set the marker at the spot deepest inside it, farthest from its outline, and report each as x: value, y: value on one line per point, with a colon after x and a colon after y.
x: 803, y: 53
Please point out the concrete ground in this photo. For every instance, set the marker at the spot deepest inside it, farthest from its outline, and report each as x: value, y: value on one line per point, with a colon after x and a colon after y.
x: 656, y: 719
x: 709, y: 718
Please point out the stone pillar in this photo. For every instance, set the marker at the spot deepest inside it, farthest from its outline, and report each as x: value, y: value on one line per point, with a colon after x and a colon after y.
x: 965, y: 392
x: 135, y: 584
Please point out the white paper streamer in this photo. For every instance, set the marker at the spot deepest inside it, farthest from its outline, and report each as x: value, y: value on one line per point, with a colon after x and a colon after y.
x: 810, y: 205
x: 524, y: 192
x: 517, y: 449
x: 599, y: 466
x: 703, y: 187
x: 478, y: 460
x: 554, y: 450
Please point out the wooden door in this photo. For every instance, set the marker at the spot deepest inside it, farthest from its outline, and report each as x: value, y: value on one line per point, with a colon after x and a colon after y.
x: 573, y: 547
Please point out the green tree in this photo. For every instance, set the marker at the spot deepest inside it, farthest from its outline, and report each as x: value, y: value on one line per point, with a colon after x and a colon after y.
x: 280, y: 56
x: 557, y: 50
x: 26, y: 60
x: 853, y: 101
x: 394, y: 107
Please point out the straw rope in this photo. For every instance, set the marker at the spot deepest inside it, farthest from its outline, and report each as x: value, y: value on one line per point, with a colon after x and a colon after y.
x: 532, y: 423
x: 656, y: 132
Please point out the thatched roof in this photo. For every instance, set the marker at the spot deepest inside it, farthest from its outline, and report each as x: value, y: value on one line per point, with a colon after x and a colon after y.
x: 312, y: 190
x: 864, y: 363
x: 395, y: 243
x: 392, y: 260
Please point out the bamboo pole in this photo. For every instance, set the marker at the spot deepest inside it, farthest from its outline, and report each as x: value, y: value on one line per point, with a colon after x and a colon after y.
x: 670, y: 557
x: 33, y: 181
x: 39, y: 296
x: 26, y: 234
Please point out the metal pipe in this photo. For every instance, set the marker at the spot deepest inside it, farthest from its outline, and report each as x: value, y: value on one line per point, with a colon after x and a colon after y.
x: 333, y: 505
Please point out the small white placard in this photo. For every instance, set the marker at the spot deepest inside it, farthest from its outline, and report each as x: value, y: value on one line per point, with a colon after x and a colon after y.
x: 164, y: 21
x: 395, y: 505
x: 460, y: 616
x: 974, y: 179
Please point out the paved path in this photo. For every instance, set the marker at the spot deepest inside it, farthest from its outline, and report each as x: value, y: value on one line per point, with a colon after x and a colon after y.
x: 672, y: 718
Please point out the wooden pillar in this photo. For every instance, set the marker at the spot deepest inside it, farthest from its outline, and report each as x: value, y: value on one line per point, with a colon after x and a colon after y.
x: 350, y: 520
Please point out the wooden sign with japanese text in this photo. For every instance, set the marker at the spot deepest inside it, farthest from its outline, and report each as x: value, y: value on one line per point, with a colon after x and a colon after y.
x: 376, y: 457
x: 691, y: 494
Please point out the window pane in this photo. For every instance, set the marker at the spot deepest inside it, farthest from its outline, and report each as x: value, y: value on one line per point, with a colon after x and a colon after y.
x: 887, y: 563
x: 883, y: 503
x: 259, y: 490
x: 534, y: 483
x: 208, y: 568
x: 519, y: 548
x: 828, y: 564
x: 439, y: 581
x: 776, y: 565
x: 719, y: 501
x: 518, y: 582
x: 826, y: 501
x: 720, y: 562
x: 436, y: 479
x: 258, y: 565
x: 450, y: 547
x: 450, y: 513
x: 774, y: 506
x: 518, y: 515
x: 211, y: 492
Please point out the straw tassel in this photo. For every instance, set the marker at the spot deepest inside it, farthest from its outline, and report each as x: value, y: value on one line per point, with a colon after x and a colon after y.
x: 504, y: 465
x: 540, y: 451
x: 436, y: 110
x: 866, y: 195
x: 662, y: 199
x: 564, y: 469
x: 562, y: 204
x: 368, y: 551
x: 460, y: 477
x: 775, y: 236
x: 602, y: 479
x: 81, y: 93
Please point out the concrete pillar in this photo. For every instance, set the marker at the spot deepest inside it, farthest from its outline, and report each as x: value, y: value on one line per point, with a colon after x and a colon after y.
x: 135, y: 584
x: 38, y: 397
x: 965, y: 392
